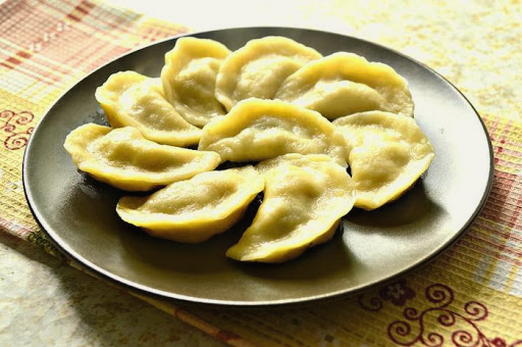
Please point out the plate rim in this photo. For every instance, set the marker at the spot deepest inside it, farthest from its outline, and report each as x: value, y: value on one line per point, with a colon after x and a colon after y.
x: 70, y: 253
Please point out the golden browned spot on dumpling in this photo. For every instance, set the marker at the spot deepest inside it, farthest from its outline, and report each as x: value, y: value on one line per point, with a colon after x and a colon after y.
x: 124, y: 159
x: 189, y: 78
x: 389, y: 153
x: 305, y: 197
x: 131, y: 99
x: 258, y: 68
x: 196, y: 209
x: 345, y: 83
x: 258, y: 129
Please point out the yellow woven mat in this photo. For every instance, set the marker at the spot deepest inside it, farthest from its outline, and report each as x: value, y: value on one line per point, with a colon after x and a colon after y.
x: 469, y: 296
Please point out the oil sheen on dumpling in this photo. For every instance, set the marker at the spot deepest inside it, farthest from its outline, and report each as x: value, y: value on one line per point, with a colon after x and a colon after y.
x: 131, y: 99
x: 124, y: 159
x: 258, y: 129
x: 189, y: 78
x: 389, y: 153
x: 194, y: 210
x: 305, y: 197
x: 258, y: 68
x: 345, y: 83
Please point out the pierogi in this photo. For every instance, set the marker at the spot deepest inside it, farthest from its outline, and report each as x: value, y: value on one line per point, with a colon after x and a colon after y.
x: 389, y: 153
x: 124, y: 159
x: 271, y: 102
x: 194, y: 210
x: 189, y: 78
x: 131, y: 99
x: 258, y: 68
x: 305, y: 196
x: 345, y: 83
x: 258, y: 129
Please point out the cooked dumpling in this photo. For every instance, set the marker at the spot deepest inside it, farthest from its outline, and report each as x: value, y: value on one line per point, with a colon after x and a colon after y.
x: 304, y: 199
x: 258, y: 68
x: 124, y: 159
x: 258, y: 129
x: 389, y: 153
x: 345, y: 83
x: 196, y: 209
x: 189, y: 78
x: 131, y: 99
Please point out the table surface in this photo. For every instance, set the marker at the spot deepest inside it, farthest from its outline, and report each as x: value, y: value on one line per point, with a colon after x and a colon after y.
x: 475, y: 44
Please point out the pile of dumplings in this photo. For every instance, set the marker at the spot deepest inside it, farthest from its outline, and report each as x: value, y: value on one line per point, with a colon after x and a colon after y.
x: 297, y: 121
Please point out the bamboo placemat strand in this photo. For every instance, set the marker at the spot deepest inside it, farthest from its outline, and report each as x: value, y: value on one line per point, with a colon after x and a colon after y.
x: 470, y: 295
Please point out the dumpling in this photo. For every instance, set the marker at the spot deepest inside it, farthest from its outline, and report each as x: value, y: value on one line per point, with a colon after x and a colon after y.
x: 189, y: 78
x: 258, y: 68
x: 258, y: 129
x: 305, y: 197
x: 389, y: 153
x: 345, y: 83
x: 194, y: 210
x: 131, y: 99
x: 124, y: 159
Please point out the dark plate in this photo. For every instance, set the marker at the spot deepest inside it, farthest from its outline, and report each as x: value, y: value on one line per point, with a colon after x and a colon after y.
x: 78, y: 212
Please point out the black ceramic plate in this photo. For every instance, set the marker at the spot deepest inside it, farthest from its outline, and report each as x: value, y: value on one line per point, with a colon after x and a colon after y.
x: 79, y: 213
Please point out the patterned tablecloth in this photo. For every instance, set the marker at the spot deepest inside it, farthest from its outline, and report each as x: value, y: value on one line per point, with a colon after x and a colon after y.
x: 469, y: 296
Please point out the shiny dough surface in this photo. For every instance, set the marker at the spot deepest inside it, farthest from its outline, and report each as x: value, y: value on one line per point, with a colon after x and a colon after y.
x: 305, y: 196
x: 131, y: 99
x: 389, y: 153
x: 345, y: 83
x: 196, y: 209
x: 259, y: 67
x: 123, y: 158
x: 189, y: 78
x: 258, y: 129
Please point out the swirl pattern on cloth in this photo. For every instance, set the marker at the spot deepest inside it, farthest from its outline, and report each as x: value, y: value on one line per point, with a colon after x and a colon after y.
x: 14, y: 126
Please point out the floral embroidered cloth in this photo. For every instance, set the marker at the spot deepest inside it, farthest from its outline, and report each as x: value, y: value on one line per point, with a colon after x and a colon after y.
x: 468, y: 296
